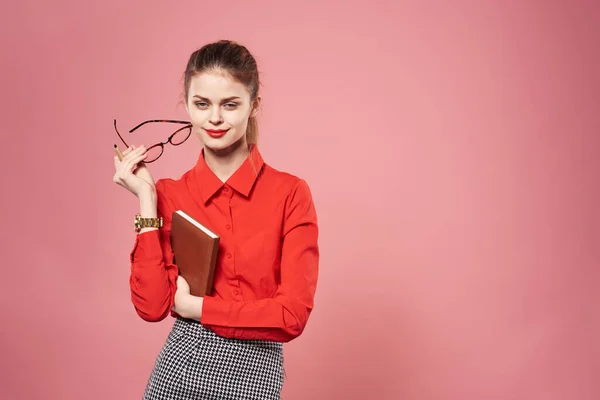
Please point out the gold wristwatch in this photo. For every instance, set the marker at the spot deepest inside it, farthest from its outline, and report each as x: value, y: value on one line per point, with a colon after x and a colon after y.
x: 140, y: 222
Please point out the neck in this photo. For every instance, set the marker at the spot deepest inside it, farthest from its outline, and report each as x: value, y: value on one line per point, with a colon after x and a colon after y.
x: 225, y: 162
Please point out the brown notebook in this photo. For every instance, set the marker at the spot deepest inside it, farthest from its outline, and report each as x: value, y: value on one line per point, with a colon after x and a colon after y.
x: 195, y: 250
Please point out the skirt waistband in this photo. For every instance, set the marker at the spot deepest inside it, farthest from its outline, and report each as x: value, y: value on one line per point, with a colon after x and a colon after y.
x: 194, y: 328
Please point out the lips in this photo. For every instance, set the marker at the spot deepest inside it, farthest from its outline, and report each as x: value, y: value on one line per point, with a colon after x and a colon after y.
x: 216, y: 133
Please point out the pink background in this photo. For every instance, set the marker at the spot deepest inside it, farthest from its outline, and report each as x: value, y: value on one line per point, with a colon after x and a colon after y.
x: 451, y: 148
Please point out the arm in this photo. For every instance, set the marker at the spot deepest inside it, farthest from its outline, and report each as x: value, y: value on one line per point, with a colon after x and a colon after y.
x: 153, y: 274
x: 283, y: 317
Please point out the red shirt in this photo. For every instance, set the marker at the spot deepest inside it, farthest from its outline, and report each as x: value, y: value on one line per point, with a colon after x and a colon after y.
x: 266, y: 273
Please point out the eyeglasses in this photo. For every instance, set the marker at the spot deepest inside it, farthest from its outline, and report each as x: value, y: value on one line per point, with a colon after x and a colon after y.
x: 155, y: 151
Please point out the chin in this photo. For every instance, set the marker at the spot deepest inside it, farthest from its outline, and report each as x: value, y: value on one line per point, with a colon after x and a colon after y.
x: 223, y: 143
x: 216, y: 144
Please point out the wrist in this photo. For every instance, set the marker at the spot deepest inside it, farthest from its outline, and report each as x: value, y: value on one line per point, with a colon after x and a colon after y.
x: 148, y: 205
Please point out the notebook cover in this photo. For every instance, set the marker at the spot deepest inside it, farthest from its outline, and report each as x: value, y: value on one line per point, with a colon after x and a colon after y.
x: 195, y: 250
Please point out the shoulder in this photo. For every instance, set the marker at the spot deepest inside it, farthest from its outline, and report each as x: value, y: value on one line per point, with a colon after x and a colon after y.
x: 295, y: 195
x: 292, y: 187
x: 170, y: 186
x: 283, y: 180
x: 169, y: 190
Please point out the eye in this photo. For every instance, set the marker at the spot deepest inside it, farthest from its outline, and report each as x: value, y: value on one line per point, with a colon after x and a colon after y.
x: 201, y: 104
x: 231, y: 106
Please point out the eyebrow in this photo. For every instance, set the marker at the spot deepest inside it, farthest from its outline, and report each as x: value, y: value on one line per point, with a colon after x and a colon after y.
x: 225, y: 100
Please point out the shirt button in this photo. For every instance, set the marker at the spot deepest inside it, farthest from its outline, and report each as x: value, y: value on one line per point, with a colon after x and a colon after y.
x: 225, y: 189
x: 236, y: 292
x: 228, y: 227
x: 228, y: 255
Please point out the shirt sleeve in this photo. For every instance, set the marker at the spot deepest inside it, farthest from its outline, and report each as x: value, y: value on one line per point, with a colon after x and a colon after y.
x: 284, y: 316
x: 153, y: 278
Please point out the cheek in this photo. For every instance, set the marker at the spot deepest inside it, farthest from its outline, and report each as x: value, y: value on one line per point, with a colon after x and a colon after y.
x: 235, y: 119
x: 198, y: 117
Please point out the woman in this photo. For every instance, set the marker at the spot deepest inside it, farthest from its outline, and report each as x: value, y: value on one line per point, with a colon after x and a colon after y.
x: 227, y: 345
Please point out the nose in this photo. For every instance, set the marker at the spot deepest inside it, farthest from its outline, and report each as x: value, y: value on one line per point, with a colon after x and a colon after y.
x: 216, y: 118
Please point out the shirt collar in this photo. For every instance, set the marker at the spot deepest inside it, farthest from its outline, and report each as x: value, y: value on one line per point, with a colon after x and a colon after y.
x: 242, y: 180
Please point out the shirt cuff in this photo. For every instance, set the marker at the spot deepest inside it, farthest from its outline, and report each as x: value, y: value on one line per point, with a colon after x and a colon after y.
x: 215, y: 311
x: 147, y: 247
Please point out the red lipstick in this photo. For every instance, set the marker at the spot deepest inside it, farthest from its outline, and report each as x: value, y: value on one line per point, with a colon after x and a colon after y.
x: 216, y: 133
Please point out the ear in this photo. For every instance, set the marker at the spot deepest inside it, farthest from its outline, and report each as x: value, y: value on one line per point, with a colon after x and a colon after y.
x: 256, y: 106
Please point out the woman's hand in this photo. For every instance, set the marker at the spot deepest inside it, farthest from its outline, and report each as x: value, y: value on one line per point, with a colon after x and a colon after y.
x: 132, y: 173
x: 182, y: 286
x: 186, y: 305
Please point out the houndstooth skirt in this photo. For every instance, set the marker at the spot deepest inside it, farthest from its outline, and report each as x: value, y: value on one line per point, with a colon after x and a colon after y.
x: 195, y: 363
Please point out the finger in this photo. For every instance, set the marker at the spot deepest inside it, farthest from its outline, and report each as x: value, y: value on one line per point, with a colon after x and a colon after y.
x: 136, y: 150
x: 135, y: 162
x: 127, y: 150
x: 132, y: 149
x: 137, y: 158
x: 128, y: 165
x: 118, y: 166
x: 134, y: 154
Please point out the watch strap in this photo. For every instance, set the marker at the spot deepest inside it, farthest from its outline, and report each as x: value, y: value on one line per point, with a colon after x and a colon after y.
x: 141, y: 222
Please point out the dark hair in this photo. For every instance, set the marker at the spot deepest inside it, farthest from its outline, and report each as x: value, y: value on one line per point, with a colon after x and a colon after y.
x: 236, y: 60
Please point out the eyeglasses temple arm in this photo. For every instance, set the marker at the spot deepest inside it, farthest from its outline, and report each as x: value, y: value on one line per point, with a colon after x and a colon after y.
x: 171, y: 121
x: 120, y: 137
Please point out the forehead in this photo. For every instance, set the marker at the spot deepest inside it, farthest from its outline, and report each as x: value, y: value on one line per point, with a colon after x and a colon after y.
x: 216, y: 85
